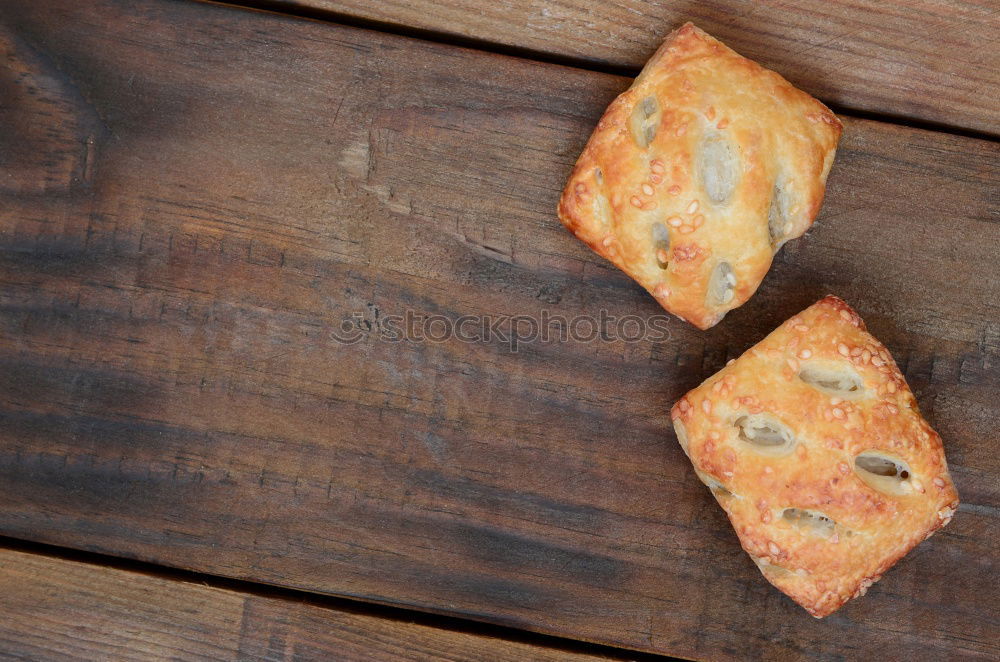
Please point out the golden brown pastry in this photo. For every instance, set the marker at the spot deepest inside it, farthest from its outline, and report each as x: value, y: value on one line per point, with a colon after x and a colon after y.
x: 812, y: 443
x: 698, y: 173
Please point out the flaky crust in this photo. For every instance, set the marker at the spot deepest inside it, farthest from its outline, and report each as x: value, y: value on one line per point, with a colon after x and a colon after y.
x: 730, y: 146
x: 869, y: 528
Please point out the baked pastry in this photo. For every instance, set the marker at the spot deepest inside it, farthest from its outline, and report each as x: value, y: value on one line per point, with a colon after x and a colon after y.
x: 812, y: 443
x: 698, y: 173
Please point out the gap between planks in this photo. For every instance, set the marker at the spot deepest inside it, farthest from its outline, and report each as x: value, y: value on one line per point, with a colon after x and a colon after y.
x: 485, y: 45
x: 336, y: 603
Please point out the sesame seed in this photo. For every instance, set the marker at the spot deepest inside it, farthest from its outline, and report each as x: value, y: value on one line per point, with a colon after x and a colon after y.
x: 693, y: 207
x: 657, y: 166
x: 835, y: 539
x: 710, y: 113
x: 845, y: 315
x: 661, y: 291
x: 714, y: 435
x: 838, y: 412
x: 681, y: 130
x: 683, y: 405
x: 706, y: 406
x: 844, y: 469
x: 607, y: 240
x: 856, y: 351
x: 636, y: 201
x: 581, y: 187
x: 730, y: 361
x: 876, y: 361
x: 774, y: 549
x: 801, y: 327
x: 892, y: 408
x: 656, y: 179
x: 805, y: 354
x: 698, y: 220
x: 662, y: 255
x: 717, y: 387
x: 674, y: 190
x: 674, y: 221
x: 866, y: 356
x: 939, y: 482
x: 835, y: 401
x: 650, y: 204
x: 723, y: 123
x: 768, y: 470
x: 647, y: 189
x: 728, y: 474
x: 792, y: 363
x: 842, y: 348
x: 687, y: 229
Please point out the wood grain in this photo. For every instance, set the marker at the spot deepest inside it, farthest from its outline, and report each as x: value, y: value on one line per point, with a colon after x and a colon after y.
x: 929, y: 59
x: 213, y: 191
x: 56, y: 609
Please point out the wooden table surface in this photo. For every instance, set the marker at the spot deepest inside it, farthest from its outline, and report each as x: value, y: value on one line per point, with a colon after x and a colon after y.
x: 197, y: 199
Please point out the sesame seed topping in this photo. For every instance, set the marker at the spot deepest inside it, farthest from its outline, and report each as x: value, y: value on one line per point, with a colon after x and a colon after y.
x: 710, y: 113
x: 846, y: 316
x: 835, y: 538
x: 768, y: 470
x: 674, y: 190
x: 844, y: 469
x: 876, y: 361
x: 730, y: 361
x: 657, y: 166
x: 683, y: 405
x: 805, y: 354
x: 656, y: 179
x: 607, y: 240
x: 662, y: 255
x: 774, y: 549
x: 792, y: 363
x: 686, y: 229
x: 842, y: 349
x: 856, y: 351
x: 706, y: 406
x: 835, y: 401
x: 650, y: 204
x: 838, y: 412
x: 681, y: 130
x: 636, y: 201
x: 892, y: 408
x: 698, y: 220
x: 801, y: 327
x: 939, y: 482
x: 580, y: 187
x: 675, y: 221
x: 692, y: 207
x: 866, y: 356
x: 661, y: 291
x: 647, y: 189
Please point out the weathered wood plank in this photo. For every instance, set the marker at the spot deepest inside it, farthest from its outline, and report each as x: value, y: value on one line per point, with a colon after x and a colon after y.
x: 55, y: 609
x: 928, y: 59
x: 197, y: 196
